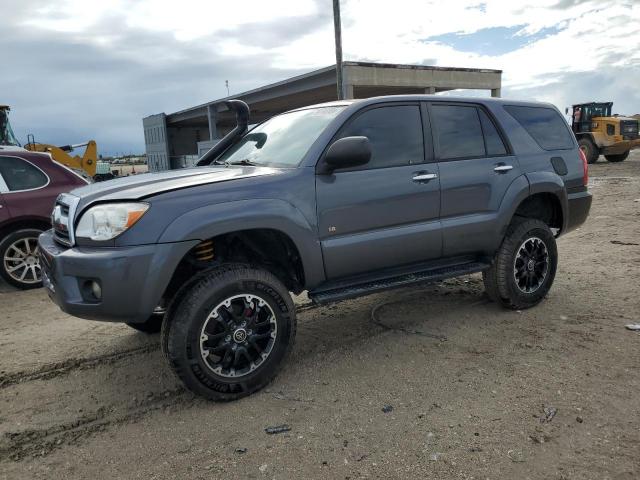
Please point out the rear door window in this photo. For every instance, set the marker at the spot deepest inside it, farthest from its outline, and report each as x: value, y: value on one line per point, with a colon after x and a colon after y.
x: 395, y: 133
x: 458, y: 131
x: 19, y: 174
x: 545, y: 126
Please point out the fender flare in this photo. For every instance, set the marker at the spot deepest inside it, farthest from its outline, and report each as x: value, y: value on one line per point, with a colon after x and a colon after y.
x: 551, y: 182
x: 525, y: 186
x: 273, y: 214
x: 517, y: 192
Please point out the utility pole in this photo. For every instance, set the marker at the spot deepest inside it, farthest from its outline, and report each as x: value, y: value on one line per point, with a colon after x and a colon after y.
x: 338, y: 33
x: 226, y: 82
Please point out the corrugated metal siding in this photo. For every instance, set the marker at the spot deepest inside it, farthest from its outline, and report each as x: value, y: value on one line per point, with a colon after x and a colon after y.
x: 155, y: 141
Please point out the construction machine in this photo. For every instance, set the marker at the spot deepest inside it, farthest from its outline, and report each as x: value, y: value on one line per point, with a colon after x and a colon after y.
x: 600, y: 133
x: 7, y: 138
x: 84, y: 165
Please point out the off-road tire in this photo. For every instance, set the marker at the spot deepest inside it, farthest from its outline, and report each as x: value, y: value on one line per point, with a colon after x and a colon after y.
x: 590, y: 149
x: 185, y: 318
x: 499, y: 280
x: 5, y: 243
x: 621, y: 157
x: 152, y: 325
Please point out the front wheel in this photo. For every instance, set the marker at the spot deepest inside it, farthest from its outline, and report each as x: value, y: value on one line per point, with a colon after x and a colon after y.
x: 621, y: 157
x: 230, y: 333
x: 20, y: 265
x: 590, y: 151
x: 525, y: 265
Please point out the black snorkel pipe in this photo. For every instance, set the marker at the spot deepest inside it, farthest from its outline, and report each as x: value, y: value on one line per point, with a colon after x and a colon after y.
x: 242, y: 122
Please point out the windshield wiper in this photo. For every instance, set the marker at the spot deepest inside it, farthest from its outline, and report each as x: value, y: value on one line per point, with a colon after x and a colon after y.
x: 244, y: 161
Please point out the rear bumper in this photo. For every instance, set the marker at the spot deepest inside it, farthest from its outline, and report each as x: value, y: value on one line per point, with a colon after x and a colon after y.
x: 578, y: 206
x: 132, y: 279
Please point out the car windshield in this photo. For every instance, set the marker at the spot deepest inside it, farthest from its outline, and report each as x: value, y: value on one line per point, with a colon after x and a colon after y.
x: 6, y: 134
x: 281, y: 141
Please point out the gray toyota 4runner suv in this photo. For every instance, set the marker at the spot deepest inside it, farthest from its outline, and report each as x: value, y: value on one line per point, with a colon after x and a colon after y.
x: 341, y: 200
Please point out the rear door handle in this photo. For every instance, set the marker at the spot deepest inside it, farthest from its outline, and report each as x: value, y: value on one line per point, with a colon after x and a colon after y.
x: 424, y: 177
x: 503, y: 168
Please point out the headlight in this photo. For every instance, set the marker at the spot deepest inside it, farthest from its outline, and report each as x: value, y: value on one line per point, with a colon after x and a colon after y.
x: 107, y: 221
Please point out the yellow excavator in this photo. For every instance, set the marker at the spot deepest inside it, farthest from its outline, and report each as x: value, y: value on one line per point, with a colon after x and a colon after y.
x: 85, y: 164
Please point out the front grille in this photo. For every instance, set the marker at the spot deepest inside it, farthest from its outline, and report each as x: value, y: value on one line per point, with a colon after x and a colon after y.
x: 62, y: 218
x: 629, y: 129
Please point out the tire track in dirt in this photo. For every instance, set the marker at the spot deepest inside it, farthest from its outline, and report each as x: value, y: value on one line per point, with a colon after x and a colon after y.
x: 53, y: 370
x: 40, y: 442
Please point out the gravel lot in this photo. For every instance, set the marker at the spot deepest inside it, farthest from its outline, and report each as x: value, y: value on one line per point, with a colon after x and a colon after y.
x: 468, y: 382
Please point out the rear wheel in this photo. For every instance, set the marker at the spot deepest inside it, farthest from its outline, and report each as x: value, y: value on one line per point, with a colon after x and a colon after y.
x: 20, y: 265
x: 230, y: 333
x: 589, y: 149
x: 525, y: 265
x: 621, y: 157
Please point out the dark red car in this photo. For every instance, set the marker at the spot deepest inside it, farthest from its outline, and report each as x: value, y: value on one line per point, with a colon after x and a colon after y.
x: 29, y: 185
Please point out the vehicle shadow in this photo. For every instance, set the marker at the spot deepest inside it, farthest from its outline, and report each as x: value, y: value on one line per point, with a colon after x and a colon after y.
x: 6, y: 288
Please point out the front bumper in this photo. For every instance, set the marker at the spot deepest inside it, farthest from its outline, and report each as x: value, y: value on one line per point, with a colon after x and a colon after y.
x: 132, y: 279
x: 579, y: 204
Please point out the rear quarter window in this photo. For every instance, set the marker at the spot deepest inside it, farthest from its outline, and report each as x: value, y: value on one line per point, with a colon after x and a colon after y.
x: 20, y: 175
x: 545, y: 125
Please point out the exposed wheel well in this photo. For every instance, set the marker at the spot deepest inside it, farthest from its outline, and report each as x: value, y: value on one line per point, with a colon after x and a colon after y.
x: 545, y: 207
x: 270, y: 249
x: 588, y: 136
x: 21, y: 224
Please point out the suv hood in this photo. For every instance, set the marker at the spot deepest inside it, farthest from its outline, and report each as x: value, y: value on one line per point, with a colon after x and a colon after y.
x: 145, y: 185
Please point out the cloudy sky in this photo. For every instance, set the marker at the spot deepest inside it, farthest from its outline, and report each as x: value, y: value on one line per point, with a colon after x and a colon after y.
x: 79, y: 69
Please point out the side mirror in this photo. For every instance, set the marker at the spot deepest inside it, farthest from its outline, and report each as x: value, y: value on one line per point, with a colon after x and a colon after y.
x: 344, y: 153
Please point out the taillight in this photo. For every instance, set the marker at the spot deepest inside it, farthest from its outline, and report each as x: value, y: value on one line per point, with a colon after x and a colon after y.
x: 585, y: 167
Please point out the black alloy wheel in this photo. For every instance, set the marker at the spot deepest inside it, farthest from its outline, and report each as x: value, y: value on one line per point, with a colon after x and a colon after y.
x: 531, y: 265
x: 228, y: 331
x: 525, y: 265
x: 238, y: 335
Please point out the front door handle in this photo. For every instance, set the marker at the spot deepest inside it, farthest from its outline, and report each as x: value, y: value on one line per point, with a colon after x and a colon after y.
x: 424, y: 177
x: 503, y: 168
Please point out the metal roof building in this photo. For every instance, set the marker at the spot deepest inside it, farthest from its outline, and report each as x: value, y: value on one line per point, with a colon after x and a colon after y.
x: 177, y: 139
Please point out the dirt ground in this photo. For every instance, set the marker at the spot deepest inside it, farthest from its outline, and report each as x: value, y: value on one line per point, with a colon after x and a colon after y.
x: 468, y: 382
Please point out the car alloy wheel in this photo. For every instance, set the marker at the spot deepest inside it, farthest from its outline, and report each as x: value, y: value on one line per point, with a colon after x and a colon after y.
x: 531, y: 265
x: 238, y: 335
x: 21, y: 261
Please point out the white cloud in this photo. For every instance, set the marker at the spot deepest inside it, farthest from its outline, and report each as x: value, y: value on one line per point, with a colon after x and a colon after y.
x: 591, y: 31
x: 590, y: 50
x: 188, y: 20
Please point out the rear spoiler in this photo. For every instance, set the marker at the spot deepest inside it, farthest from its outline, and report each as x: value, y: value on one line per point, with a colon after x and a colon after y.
x: 242, y: 122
